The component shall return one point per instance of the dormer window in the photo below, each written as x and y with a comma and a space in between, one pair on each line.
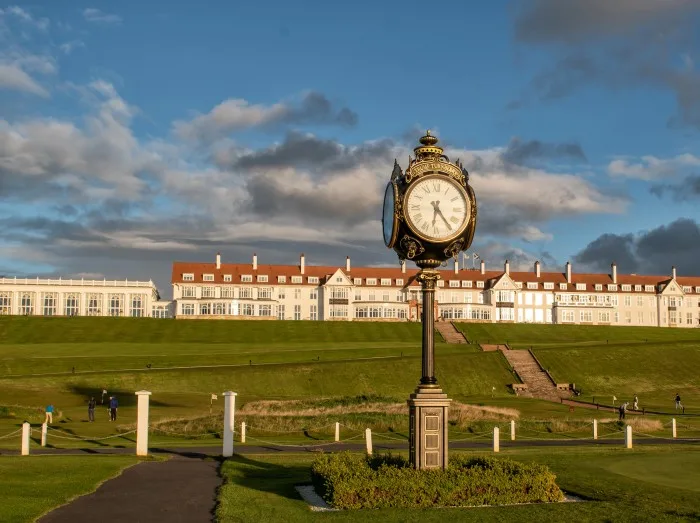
480, 285
314, 279
357, 281
441, 283
262, 278
386, 281
562, 286
454, 283
612, 287
626, 288
227, 277
548, 286
371, 281
599, 286
532, 285
247, 278
466, 284
637, 288
208, 277
296, 279
648, 288
580, 286
281, 279
399, 281
188, 276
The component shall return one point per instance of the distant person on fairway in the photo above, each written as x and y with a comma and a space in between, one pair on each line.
636, 402
623, 408
49, 414
678, 402
91, 409
113, 404
104, 393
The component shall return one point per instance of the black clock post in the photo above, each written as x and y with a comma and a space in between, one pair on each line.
429, 216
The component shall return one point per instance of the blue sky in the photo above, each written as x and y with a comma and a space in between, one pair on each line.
133, 134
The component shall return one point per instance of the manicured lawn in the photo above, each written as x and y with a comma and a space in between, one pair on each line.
261, 488
33, 485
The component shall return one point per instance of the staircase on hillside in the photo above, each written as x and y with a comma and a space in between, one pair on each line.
537, 381
449, 332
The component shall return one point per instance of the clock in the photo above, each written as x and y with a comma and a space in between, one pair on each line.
437, 208
389, 219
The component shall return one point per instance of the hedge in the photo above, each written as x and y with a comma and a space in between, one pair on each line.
351, 481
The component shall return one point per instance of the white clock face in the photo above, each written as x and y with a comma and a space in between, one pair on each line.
437, 208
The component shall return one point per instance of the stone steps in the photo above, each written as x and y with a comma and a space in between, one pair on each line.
449, 332
537, 381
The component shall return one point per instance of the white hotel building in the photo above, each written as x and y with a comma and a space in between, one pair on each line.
73, 297
307, 292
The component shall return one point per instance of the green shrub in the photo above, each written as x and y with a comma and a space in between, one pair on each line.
352, 481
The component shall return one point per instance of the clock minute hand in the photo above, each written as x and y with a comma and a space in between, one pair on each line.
444, 219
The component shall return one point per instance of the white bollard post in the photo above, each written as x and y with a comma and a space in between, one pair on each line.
44, 430
595, 429
26, 431
512, 430
673, 428
496, 442
337, 431
243, 432
628, 437
368, 440
229, 414
142, 422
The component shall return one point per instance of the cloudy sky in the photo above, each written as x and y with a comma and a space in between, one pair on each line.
137, 133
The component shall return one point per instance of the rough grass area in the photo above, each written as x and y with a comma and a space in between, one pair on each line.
33, 485
351, 481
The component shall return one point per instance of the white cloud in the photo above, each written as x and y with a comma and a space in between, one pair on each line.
651, 167
12, 77
92, 14
69, 47
23, 15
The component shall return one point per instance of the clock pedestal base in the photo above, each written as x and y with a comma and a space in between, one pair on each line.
428, 410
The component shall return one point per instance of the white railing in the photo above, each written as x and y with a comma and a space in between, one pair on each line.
81, 282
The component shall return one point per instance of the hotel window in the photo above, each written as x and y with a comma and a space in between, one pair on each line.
297, 312
640, 301
313, 294
220, 309
94, 305
652, 301
208, 277
466, 284
532, 285
468, 297
480, 285
188, 292
689, 318
506, 296
441, 283
314, 279
372, 296
297, 294
358, 295
586, 317
626, 288
687, 290
562, 286
371, 281
580, 286
339, 311
188, 309
640, 317
280, 312
628, 317
598, 287
549, 286
265, 293
648, 288
480, 298
71, 306
399, 282
604, 317
136, 306
339, 293
386, 297
265, 310
281, 279
245, 293
227, 278
653, 317
208, 292
247, 309
697, 290
50, 300
637, 288
454, 283
628, 301
357, 281
612, 287
26, 306
281, 293
441, 297
5, 303
115, 305
399, 296
567, 316
247, 278
188, 277
672, 317
338, 279
454, 298
227, 292
262, 278
205, 309
386, 281
313, 312
296, 279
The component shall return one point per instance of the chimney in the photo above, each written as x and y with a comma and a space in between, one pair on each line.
673, 272
218, 260
347, 263
568, 272
302, 263
456, 266
255, 262
613, 268
537, 268
403, 266
483, 267
506, 267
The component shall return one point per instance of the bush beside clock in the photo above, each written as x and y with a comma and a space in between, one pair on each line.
352, 481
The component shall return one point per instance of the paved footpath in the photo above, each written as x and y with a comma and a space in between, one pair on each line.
181, 489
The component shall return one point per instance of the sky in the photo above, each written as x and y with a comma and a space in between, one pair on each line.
134, 134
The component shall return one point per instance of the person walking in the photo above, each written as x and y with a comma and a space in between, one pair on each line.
104, 393
113, 404
49, 414
91, 409
679, 405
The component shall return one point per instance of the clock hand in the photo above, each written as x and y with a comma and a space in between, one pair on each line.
436, 210
444, 220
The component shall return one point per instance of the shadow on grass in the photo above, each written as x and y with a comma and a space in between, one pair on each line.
273, 478
126, 398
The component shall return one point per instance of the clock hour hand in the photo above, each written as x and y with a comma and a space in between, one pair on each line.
436, 210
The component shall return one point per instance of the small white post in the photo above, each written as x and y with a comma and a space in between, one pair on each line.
142, 422
595, 429
26, 431
673, 428
368, 440
512, 430
496, 442
337, 431
628, 437
243, 432
44, 430
229, 413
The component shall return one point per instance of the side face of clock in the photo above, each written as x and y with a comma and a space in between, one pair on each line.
437, 208
389, 216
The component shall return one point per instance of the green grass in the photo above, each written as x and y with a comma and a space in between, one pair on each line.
33, 485
524, 335
261, 488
